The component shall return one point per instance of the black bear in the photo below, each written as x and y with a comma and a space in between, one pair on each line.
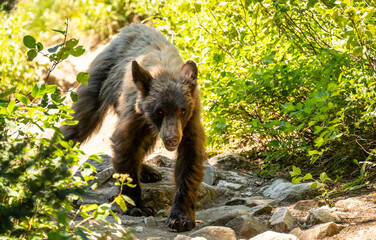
142, 76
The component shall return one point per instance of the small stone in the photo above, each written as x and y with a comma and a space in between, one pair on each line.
282, 220
260, 209
317, 232
138, 229
150, 222
322, 215
182, 237
214, 233
270, 235
228, 161
245, 226
212, 174
161, 213
232, 186
306, 205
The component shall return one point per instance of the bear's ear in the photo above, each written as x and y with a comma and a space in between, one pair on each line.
188, 74
141, 78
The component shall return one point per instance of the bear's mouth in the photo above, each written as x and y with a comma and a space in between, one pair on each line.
171, 148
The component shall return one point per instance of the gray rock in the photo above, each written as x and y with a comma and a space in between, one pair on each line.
306, 205
150, 222
235, 177
104, 175
317, 232
212, 175
232, 186
228, 161
206, 194
215, 233
260, 209
182, 237
160, 161
219, 216
270, 235
138, 229
100, 195
252, 201
245, 226
160, 195
282, 190
322, 215
282, 220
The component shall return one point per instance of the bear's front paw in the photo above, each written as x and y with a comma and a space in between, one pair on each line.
140, 211
180, 223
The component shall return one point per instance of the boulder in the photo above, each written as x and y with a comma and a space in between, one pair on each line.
228, 161
322, 215
282, 220
270, 235
317, 232
283, 190
214, 233
212, 174
245, 226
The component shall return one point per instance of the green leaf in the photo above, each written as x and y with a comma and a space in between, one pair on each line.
71, 43
7, 93
11, 106
34, 91
39, 46
323, 177
96, 158
74, 96
22, 98
78, 51
51, 88
89, 207
121, 202
31, 54
83, 78
29, 41
104, 207
314, 185
59, 31
118, 220
69, 122
128, 199
296, 170
55, 48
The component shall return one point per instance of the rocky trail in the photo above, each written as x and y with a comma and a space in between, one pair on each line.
237, 205
233, 203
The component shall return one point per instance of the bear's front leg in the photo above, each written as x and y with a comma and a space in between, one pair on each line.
131, 140
188, 176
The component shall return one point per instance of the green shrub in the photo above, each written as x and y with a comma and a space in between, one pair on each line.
37, 186
295, 80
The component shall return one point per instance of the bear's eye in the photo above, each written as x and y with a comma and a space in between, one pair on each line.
183, 111
160, 111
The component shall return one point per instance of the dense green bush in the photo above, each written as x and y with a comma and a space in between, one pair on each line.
37, 186
293, 79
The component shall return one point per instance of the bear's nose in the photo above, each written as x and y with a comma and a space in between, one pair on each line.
172, 142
